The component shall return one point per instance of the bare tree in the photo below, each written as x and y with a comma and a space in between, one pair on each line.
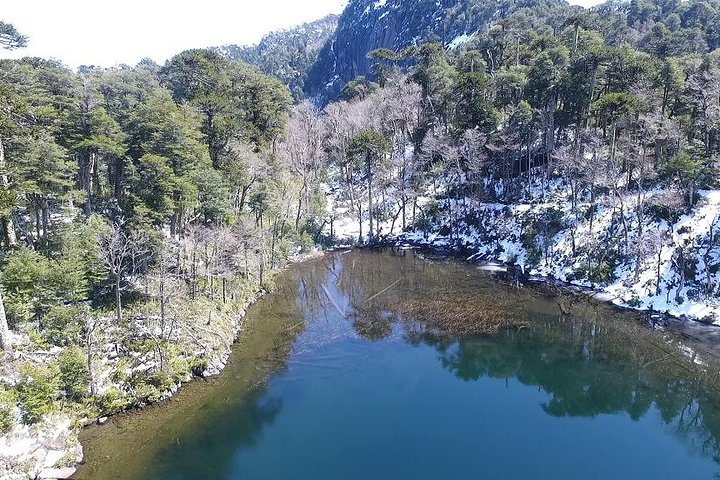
92, 326
303, 152
472, 149
713, 238
124, 255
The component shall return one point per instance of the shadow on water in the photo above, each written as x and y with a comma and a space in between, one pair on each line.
195, 434
588, 361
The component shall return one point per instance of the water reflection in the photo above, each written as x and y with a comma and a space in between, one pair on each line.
601, 365
594, 374
218, 442
335, 357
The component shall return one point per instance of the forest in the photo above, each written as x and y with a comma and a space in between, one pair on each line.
143, 208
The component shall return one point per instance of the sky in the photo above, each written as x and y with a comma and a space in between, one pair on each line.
111, 32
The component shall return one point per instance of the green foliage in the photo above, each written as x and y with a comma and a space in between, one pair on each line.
37, 391
198, 366
368, 146
613, 106
25, 278
148, 388
35, 284
692, 170
74, 376
186, 156
62, 325
358, 89
234, 99
10, 38
113, 401
601, 274
7, 410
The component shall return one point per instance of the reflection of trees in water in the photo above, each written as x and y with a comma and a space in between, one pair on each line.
588, 369
209, 452
311, 297
234, 413
603, 364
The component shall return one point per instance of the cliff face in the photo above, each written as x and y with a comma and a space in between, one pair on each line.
366, 25
287, 54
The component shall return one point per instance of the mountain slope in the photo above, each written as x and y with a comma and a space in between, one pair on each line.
366, 25
287, 54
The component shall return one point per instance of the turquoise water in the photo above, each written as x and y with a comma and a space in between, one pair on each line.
585, 396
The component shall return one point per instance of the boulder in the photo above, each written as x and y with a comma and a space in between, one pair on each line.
56, 473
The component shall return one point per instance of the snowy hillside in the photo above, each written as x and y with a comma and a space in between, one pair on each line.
667, 266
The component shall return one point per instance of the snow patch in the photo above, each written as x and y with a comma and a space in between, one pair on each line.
459, 41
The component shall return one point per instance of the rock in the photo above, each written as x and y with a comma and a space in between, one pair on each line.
56, 473
102, 420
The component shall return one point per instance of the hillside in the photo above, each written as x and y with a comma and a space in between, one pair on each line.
366, 25
287, 54
661, 28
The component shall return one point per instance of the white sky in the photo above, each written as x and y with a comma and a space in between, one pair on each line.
110, 32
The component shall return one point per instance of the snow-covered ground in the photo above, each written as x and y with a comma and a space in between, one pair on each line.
636, 259
645, 277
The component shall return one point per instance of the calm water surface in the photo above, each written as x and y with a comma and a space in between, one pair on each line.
330, 382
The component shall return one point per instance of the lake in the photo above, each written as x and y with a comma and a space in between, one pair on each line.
335, 378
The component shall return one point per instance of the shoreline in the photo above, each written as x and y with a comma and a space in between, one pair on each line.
39, 448
560, 290
215, 368
706, 334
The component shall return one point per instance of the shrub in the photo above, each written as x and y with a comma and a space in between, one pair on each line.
7, 410
111, 402
37, 391
24, 277
529, 242
74, 376
305, 242
179, 369
198, 366
602, 273
61, 326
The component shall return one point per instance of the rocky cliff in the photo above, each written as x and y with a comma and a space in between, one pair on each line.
366, 25
287, 54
